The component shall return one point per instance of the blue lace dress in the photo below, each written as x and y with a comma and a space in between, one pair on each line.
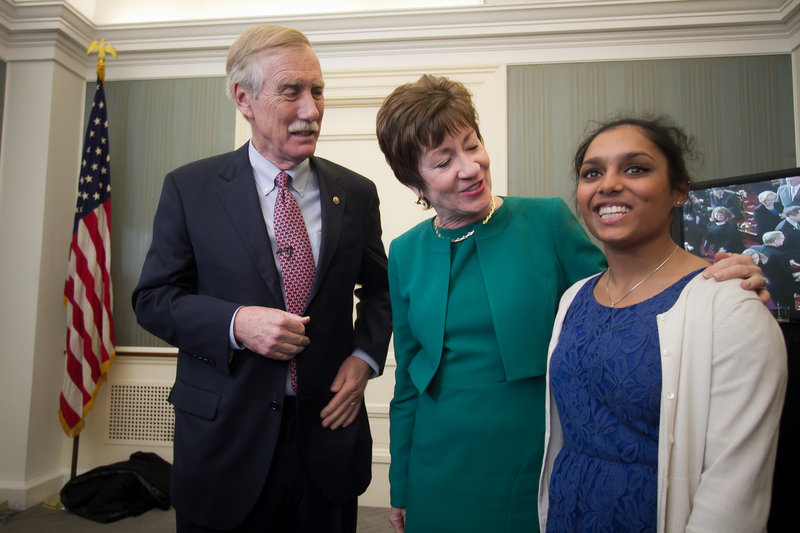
605, 374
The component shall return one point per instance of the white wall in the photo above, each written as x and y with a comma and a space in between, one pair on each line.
40, 151
796, 83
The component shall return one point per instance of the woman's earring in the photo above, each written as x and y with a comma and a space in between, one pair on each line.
419, 201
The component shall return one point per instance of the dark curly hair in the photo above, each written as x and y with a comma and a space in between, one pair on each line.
672, 141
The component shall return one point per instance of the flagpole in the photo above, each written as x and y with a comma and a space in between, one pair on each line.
75, 445
101, 48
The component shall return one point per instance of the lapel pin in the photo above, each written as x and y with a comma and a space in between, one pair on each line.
336, 200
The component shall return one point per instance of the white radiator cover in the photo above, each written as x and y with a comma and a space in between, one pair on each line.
138, 413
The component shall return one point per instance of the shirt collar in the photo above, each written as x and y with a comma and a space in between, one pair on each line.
264, 172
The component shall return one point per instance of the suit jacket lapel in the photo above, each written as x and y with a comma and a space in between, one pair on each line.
240, 199
431, 255
332, 199
439, 259
505, 280
503, 284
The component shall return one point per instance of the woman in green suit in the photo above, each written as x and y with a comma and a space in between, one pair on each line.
474, 295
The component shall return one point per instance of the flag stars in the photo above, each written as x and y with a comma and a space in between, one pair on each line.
95, 172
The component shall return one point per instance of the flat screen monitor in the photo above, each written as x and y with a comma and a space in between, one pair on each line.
755, 214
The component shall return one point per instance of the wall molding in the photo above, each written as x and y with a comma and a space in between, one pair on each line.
517, 32
33, 491
45, 31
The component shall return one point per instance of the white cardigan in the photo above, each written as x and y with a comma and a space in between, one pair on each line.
723, 361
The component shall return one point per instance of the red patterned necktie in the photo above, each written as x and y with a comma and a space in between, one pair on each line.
294, 250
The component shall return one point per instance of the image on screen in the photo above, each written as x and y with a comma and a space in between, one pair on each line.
755, 214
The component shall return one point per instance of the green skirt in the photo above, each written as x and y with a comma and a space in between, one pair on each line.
476, 458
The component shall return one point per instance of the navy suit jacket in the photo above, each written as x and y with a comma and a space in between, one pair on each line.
785, 196
766, 220
211, 254
791, 246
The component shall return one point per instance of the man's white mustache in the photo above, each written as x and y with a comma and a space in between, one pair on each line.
304, 126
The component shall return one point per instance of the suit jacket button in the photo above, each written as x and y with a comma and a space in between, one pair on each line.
275, 406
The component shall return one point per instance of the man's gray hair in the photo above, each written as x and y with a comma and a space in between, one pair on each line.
771, 237
243, 68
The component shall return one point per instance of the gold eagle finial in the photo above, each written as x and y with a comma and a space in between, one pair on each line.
102, 48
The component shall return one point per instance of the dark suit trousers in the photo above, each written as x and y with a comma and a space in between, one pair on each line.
289, 501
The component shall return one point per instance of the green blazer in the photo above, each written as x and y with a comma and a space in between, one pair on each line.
530, 253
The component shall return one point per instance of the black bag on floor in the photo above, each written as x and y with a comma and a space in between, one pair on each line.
128, 488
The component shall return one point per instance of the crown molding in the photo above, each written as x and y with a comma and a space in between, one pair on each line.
793, 25
41, 31
507, 32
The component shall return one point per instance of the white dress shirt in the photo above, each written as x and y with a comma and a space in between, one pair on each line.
304, 186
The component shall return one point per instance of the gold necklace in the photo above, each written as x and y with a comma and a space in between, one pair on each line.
608, 277
470, 232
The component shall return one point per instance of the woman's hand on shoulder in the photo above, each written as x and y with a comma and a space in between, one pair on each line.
397, 517
732, 266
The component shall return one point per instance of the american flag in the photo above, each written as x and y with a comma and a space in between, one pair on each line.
87, 292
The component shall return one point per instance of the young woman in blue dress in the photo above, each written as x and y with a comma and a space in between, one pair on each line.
664, 388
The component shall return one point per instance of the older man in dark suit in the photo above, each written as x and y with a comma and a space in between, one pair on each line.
720, 197
255, 260
789, 192
790, 227
779, 269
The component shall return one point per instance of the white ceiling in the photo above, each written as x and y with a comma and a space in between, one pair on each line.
122, 12
111, 12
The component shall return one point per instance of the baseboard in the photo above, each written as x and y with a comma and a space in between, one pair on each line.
21, 496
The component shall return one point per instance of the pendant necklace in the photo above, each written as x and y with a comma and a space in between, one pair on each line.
608, 278
470, 232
